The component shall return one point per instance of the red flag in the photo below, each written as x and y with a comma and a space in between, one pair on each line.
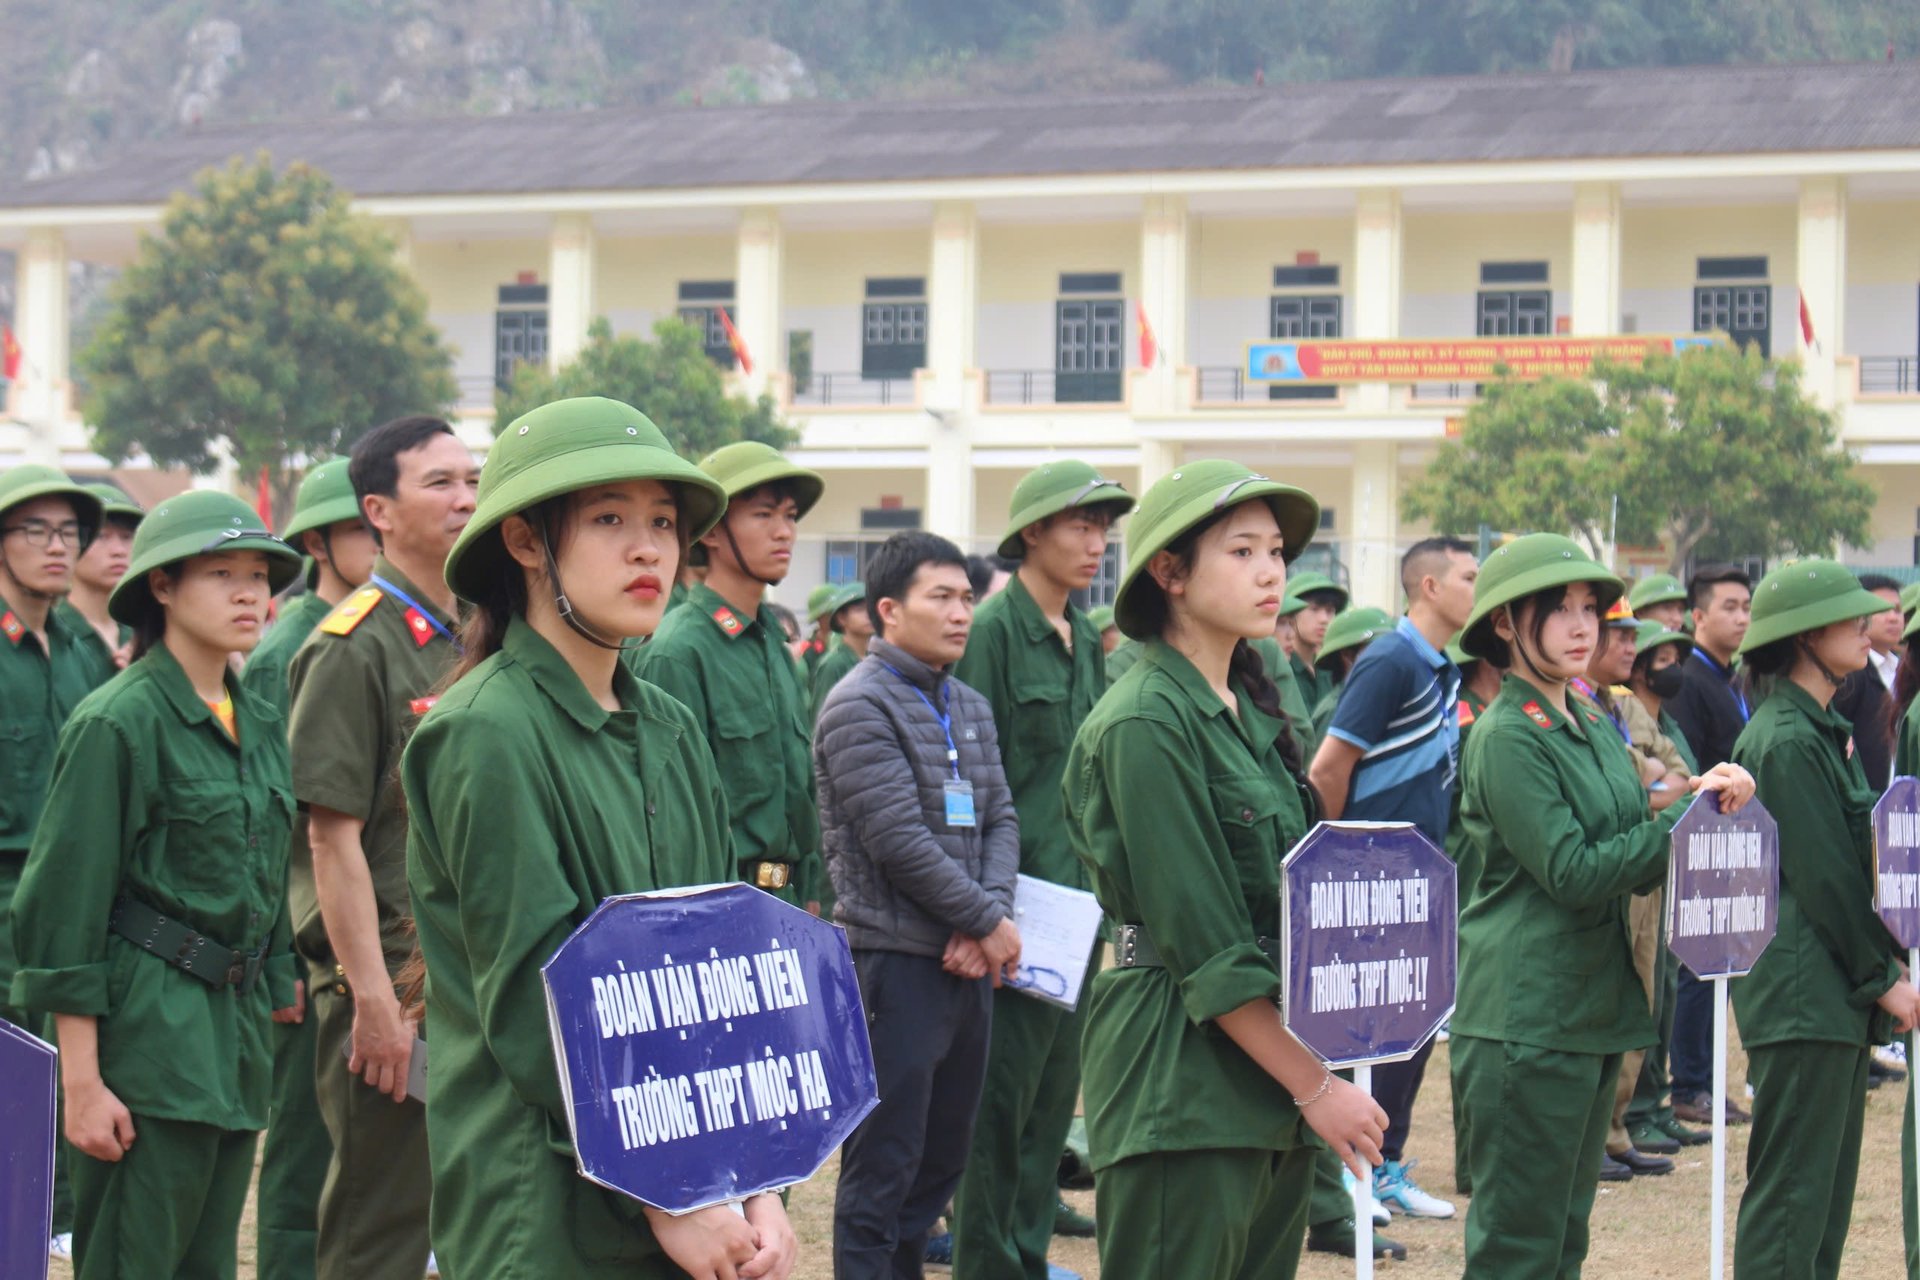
1806, 324
263, 500
735, 341
9, 354
1149, 349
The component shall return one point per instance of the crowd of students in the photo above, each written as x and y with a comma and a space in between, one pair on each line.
252, 865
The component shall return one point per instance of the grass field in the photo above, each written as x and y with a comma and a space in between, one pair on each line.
1649, 1229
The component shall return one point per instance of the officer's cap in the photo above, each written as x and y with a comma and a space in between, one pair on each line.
561, 447
198, 522
1353, 628
33, 480
1530, 564
1191, 496
1657, 589
1056, 487
1804, 596
745, 465
1620, 615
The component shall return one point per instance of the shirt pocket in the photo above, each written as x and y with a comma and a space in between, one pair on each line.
1247, 809
19, 746
1043, 712
747, 747
205, 842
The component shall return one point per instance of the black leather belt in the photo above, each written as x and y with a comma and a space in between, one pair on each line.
1134, 949
179, 945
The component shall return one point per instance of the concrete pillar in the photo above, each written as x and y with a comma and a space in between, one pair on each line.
1822, 264
570, 305
1376, 281
1158, 459
1374, 518
756, 292
950, 487
1163, 297
1596, 259
43, 395
953, 303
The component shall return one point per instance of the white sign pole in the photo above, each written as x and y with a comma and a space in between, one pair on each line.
1363, 1199
1913, 970
1719, 1260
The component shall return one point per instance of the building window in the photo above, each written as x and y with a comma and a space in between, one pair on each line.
1744, 312
519, 330
893, 327
1514, 313
1304, 315
701, 302
1106, 580
1089, 334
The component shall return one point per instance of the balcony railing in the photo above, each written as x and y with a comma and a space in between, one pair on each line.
1229, 384
1048, 386
1446, 391
828, 389
1889, 375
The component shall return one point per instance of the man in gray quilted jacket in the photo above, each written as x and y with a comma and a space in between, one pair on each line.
920, 837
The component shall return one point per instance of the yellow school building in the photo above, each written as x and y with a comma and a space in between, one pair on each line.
942, 295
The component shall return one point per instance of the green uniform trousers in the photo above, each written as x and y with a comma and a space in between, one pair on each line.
1331, 1201
1232, 1214
1653, 1094
1803, 1157
379, 1189
1539, 1122
1462, 1178
293, 1162
170, 1207
1003, 1210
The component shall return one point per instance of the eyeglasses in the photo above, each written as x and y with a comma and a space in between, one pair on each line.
41, 533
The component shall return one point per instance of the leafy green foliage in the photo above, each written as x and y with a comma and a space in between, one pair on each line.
1714, 453
266, 319
670, 379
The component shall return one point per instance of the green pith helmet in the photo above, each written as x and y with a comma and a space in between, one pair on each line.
851, 593
1101, 618
198, 522
1455, 654
1653, 635
115, 505
1056, 487
1803, 596
325, 497
1524, 566
1352, 628
1910, 598
1658, 589
1191, 496
561, 447
745, 465
1300, 584
25, 483
817, 601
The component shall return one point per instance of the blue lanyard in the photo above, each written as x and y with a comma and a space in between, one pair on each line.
941, 713
1726, 673
416, 606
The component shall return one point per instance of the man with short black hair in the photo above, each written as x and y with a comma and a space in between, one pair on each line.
1711, 710
924, 849
1865, 695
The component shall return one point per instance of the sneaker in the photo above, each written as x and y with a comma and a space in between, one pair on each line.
1653, 1140
1886, 1065
939, 1253
1337, 1237
1382, 1216
1896, 1052
1068, 1221
1057, 1272
61, 1247
1393, 1186
433, 1266
1686, 1137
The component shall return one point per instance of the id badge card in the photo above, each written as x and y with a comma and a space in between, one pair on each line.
959, 803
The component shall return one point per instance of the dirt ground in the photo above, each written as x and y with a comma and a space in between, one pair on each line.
1650, 1229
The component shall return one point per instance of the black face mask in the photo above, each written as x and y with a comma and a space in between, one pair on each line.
1667, 681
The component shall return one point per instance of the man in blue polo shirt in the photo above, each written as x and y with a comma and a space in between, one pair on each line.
1391, 755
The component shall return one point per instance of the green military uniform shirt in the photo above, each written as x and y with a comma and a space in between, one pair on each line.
1182, 811
840, 660
153, 801
39, 688
357, 696
743, 687
1315, 684
1040, 694
101, 666
265, 675
530, 804
1468, 711
1831, 958
1678, 737
1323, 714
1560, 838
1280, 671
1121, 660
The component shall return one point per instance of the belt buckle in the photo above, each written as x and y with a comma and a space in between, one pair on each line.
245, 972
771, 875
1128, 938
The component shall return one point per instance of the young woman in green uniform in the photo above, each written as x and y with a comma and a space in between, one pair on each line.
545, 779
1559, 837
151, 918
1831, 984
1184, 789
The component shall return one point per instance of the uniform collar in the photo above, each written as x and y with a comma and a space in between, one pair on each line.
1829, 721
916, 672
710, 604
1540, 711
1258, 728
384, 568
171, 679
558, 680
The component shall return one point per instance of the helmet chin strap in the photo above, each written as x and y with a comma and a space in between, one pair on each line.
1806, 651
49, 598
1525, 657
740, 561
565, 607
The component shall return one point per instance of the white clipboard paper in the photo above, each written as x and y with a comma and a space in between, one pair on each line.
1058, 927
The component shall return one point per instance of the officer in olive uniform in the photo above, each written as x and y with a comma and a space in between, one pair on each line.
1309, 597
152, 921
1660, 598
727, 660
1182, 808
1821, 994
1041, 667
359, 686
294, 1159
120, 516
1560, 839
845, 613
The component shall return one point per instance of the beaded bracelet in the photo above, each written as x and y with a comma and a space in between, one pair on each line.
1326, 1083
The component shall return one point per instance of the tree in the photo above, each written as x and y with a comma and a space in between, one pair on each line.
266, 320
1715, 452
670, 379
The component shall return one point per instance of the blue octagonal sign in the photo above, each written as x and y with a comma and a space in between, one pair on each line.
1896, 856
1370, 916
1723, 887
711, 1044
28, 1065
